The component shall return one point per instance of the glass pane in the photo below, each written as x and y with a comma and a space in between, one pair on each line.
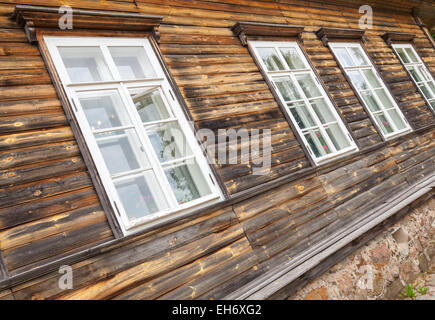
344, 57
317, 143
287, 88
149, 104
402, 55
323, 111
358, 80
358, 56
104, 109
132, 63
168, 141
415, 74
385, 98
372, 78
432, 87
187, 182
433, 104
141, 195
85, 64
424, 73
411, 54
121, 151
383, 123
271, 59
397, 119
308, 85
301, 115
337, 136
425, 91
292, 58
371, 101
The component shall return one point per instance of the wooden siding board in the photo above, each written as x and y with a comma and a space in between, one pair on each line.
223, 88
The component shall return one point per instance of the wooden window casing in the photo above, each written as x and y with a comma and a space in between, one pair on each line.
142, 136
388, 118
418, 71
314, 122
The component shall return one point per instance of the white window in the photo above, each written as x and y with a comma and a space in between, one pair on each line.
305, 100
418, 71
140, 140
370, 87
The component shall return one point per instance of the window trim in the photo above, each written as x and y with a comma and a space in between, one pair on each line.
372, 66
253, 45
120, 85
396, 46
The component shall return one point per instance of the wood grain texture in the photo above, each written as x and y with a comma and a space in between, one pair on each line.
49, 209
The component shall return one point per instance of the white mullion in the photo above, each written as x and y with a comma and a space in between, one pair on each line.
149, 150
173, 163
128, 174
110, 129
110, 63
282, 57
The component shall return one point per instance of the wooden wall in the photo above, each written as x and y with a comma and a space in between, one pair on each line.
49, 208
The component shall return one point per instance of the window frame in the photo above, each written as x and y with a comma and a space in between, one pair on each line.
253, 45
117, 84
332, 45
421, 63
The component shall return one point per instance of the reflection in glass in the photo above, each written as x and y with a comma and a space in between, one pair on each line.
358, 56
132, 63
120, 151
383, 123
168, 141
140, 195
301, 115
187, 182
292, 58
317, 143
104, 109
402, 55
322, 111
357, 80
371, 101
85, 64
337, 136
287, 89
397, 119
308, 85
344, 57
149, 104
271, 59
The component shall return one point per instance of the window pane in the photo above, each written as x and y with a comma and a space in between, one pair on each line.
402, 55
308, 85
287, 89
425, 91
85, 64
121, 151
371, 101
358, 80
372, 78
385, 99
337, 136
415, 74
411, 55
433, 104
344, 57
432, 87
292, 58
271, 59
104, 109
358, 56
301, 115
322, 111
168, 141
317, 143
132, 63
397, 119
141, 195
187, 182
424, 73
383, 123
149, 104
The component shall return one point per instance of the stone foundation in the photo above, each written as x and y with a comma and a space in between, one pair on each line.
384, 266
